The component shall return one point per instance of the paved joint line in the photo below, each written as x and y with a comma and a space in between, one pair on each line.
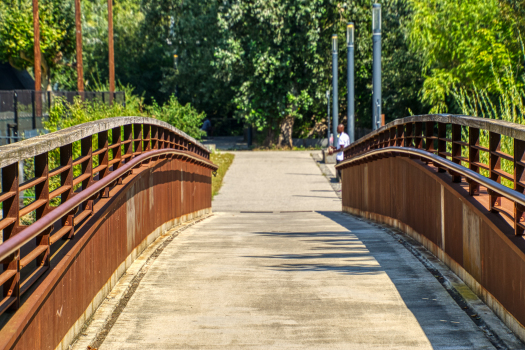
423, 255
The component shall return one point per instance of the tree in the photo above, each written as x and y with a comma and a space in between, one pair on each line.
464, 43
57, 35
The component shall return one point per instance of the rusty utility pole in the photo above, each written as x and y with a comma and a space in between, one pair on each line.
36, 38
111, 54
80, 65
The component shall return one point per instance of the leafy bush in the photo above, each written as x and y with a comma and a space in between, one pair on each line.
185, 118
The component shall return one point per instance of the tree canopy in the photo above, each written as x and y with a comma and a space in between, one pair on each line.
268, 63
57, 34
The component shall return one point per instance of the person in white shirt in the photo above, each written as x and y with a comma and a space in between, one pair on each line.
344, 141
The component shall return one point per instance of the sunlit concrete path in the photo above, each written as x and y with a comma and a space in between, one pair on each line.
280, 267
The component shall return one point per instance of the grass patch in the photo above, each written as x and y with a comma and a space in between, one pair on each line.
223, 160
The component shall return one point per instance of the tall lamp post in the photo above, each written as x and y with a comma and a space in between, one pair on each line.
335, 109
111, 52
78, 29
350, 80
36, 47
376, 73
328, 116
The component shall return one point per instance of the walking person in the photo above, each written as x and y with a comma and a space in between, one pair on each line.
344, 141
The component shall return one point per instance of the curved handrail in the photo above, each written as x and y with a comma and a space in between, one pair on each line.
34, 146
16, 242
75, 183
445, 163
501, 127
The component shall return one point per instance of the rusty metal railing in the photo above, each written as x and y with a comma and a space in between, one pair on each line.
468, 148
65, 195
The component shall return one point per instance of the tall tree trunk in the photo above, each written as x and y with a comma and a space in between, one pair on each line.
285, 132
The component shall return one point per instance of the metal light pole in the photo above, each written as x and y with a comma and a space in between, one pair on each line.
328, 116
80, 66
376, 74
350, 80
111, 52
335, 99
36, 47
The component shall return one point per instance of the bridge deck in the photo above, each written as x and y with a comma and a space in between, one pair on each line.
288, 280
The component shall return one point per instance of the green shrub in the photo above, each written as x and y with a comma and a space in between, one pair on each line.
184, 118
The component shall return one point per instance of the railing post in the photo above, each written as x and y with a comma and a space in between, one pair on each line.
429, 137
10, 210
103, 159
456, 149
146, 136
400, 138
418, 135
494, 164
42, 193
409, 135
442, 143
128, 138
473, 157
116, 152
137, 138
66, 179
86, 146
161, 138
519, 185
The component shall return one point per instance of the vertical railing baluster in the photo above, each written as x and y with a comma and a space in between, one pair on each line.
429, 137
473, 157
442, 143
42, 193
409, 135
66, 179
103, 159
494, 164
161, 135
418, 135
519, 185
116, 151
10, 210
456, 149
128, 137
400, 138
146, 137
86, 147
137, 138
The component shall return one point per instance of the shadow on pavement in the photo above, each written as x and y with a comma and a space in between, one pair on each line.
363, 249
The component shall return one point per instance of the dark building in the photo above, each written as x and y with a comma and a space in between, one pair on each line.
14, 79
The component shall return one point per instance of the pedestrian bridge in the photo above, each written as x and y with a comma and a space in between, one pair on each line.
109, 241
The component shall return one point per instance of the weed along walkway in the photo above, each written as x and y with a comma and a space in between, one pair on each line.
278, 266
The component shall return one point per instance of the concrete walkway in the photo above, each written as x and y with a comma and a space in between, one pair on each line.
280, 267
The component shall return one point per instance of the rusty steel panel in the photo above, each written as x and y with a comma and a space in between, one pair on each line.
104, 243
410, 192
502, 270
453, 210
